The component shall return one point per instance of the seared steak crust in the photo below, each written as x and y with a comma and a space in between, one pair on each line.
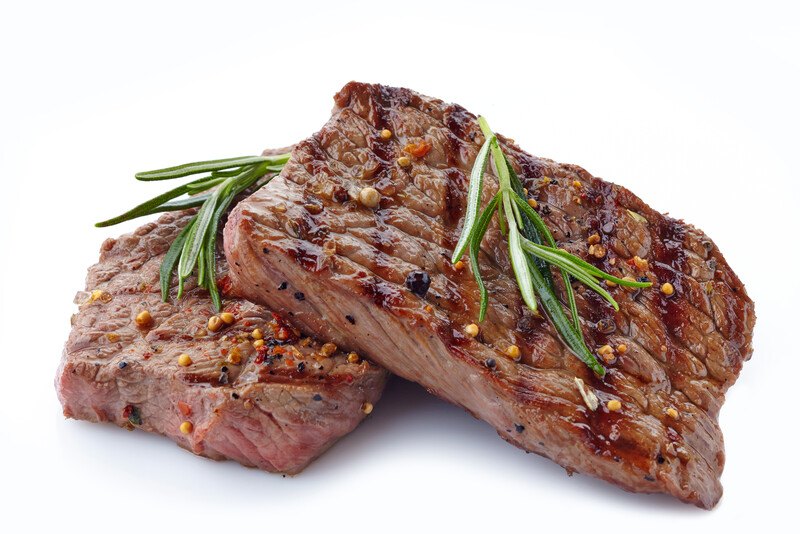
351, 262
277, 407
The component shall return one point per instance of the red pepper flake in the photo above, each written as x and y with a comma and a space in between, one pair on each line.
147, 355
248, 323
418, 150
185, 409
224, 352
224, 284
289, 361
261, 354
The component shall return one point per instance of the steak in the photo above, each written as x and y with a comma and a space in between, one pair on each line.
276, 407
379, 280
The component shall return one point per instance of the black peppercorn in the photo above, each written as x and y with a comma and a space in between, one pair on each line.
418, 282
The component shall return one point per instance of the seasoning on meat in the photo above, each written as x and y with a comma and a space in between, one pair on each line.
418, 282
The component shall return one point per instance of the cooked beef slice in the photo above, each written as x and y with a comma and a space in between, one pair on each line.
276, 407
358, 270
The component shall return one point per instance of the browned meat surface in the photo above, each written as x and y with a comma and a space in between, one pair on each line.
350, 264
276, 407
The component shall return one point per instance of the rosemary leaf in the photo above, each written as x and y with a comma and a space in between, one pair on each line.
171, 260
600, 273
149, 207
193, 246
481, 226
473, 198
188, 169
183, 204
521, 268
548, 255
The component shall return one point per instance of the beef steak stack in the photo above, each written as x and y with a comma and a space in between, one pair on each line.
363, 270
276, 407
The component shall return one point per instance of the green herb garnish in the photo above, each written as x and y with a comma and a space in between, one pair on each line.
195, 247
531, 249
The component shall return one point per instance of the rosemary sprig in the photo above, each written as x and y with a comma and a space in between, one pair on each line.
195, 247
532, 250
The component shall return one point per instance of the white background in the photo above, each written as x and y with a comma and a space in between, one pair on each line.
693, 106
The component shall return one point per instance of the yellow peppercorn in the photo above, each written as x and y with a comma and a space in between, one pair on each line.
672, 412
598, 251
614, 405
366, 408
609, 283
513, 352
428, 308
144, 319
100, 295
403, 161
227, 318
258, 343
622, 348
577, 184
369, 197
235, 356
184, 360
186, 427
594, 239
532, 203
459, 265
353, 358
257, 334
607, 353
640, 263
386, 134
472, 330
214, 323
546, 180
667, 289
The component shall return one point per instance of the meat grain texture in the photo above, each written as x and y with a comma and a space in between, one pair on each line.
276, 407
681, 352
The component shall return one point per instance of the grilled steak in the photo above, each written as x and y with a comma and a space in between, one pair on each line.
378, 280
276, 407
